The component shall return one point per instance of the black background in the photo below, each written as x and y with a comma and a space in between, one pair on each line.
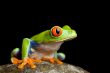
79, 52
20, 20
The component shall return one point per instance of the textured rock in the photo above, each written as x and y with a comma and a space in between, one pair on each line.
44, 67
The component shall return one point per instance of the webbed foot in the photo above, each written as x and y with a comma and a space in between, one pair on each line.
52, 60
48, 59
22, 63
58, 61
15, 60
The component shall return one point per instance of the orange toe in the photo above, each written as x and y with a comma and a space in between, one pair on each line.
59, 62
21, 66
15, 60
24, 62
51, 60
31, 62
48, 59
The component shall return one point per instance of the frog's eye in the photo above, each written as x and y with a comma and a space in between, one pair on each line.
56, 31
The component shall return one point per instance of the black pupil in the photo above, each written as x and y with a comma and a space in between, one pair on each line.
57, 30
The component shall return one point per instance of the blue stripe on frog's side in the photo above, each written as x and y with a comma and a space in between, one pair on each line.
32, 45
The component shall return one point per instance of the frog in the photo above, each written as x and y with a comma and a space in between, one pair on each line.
43, 47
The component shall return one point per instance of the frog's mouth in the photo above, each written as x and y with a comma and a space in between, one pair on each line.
66, 39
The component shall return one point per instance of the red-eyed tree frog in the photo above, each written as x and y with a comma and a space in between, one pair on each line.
43, 47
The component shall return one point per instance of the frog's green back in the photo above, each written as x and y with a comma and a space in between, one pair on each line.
41, 36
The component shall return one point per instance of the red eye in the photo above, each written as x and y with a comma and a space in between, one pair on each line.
56, 31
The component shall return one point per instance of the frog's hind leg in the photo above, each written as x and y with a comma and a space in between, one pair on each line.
59, 57
13, 54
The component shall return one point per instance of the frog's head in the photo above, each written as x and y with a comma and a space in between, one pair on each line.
58, 34
55, 34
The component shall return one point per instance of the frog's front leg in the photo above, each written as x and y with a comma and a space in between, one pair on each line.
26, 47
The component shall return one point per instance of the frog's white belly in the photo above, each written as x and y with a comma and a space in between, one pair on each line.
47, 50
38, 55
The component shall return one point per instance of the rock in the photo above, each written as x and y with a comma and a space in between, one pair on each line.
44, 67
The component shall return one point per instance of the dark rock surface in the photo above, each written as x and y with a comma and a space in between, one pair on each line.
44, 67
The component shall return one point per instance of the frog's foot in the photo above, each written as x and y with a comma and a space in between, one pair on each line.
28, 61
15, 60
22, 63
58, 61
52, 60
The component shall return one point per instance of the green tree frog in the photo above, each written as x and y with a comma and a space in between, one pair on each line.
43, 47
